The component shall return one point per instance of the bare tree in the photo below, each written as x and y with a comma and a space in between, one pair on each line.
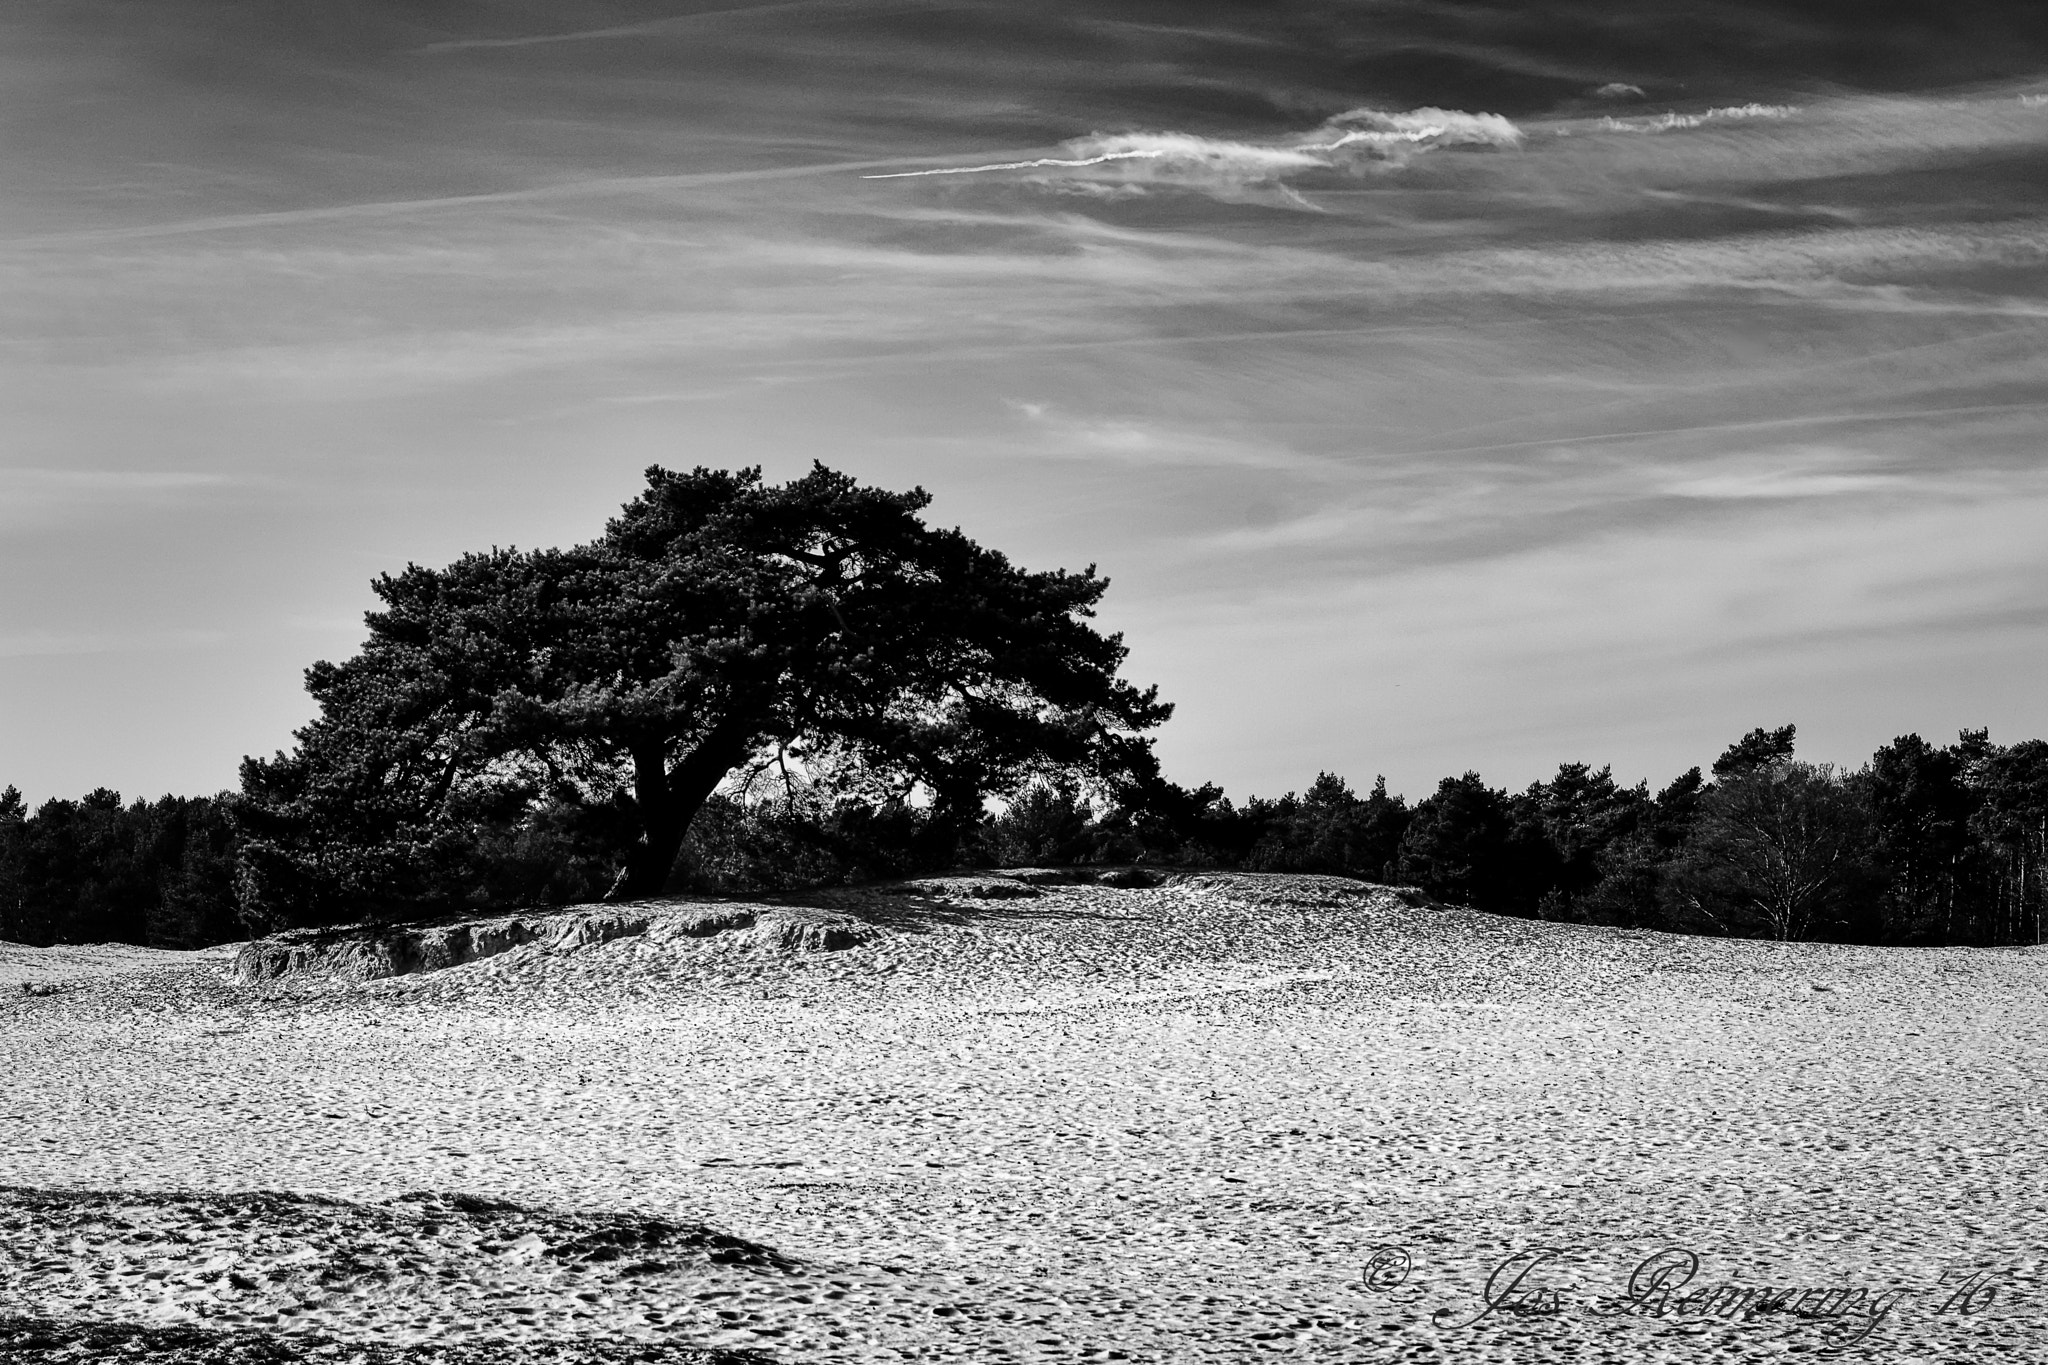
1781, 850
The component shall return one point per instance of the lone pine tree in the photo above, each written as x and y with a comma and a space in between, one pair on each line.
719, 622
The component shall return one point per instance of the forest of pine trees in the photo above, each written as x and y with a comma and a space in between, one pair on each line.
97, 871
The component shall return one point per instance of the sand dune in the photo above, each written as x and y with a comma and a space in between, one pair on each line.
1076, 1122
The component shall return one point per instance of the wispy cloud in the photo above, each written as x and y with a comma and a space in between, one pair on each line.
1352, 143
1668, 122
1744, 426
1800, 473
1063, 435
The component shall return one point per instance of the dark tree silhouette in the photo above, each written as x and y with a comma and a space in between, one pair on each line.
1921, 807
720, 622
1329, 828
94, 870
1562, 828
1456, 846
1632, 867
1047, 822
1758, 749
1783, 849
2010, 829
16, 920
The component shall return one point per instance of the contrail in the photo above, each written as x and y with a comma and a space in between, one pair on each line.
398, 208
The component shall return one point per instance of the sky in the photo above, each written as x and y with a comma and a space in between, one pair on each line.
1441, 386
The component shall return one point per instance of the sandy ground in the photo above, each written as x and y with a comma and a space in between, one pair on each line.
1167, 1124
21, 965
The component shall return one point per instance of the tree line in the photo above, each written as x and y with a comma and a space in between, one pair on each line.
741, 686
94, 870
1921, 845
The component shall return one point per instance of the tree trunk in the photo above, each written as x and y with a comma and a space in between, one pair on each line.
669, 799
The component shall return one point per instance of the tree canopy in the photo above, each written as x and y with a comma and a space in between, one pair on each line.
720, 625
1783, 848
1760, 748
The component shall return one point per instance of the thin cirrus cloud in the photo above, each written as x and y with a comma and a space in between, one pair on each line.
1059, 436
888, 305
1496, 511
1795, 475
